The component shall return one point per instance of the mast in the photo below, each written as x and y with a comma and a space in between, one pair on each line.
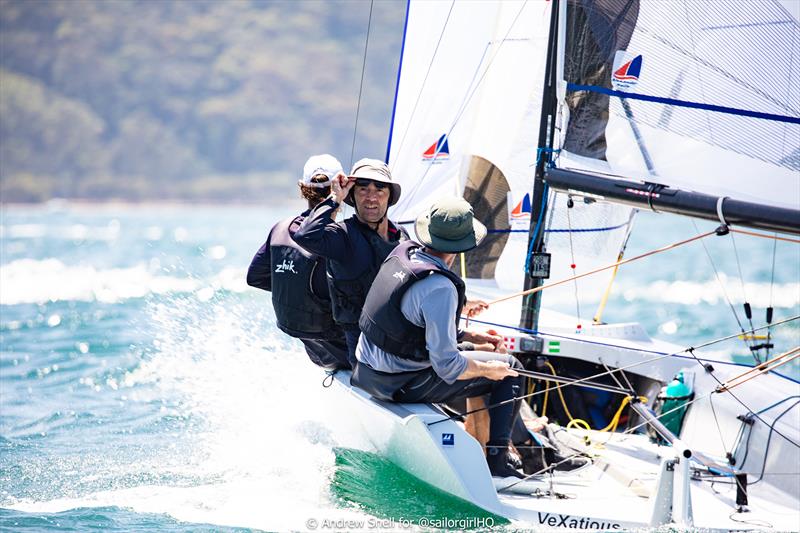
531, 303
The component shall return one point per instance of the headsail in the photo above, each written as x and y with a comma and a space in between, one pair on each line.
693, 96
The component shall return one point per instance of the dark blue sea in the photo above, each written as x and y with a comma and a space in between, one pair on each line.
144, 386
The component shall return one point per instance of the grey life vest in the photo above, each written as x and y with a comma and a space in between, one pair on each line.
300, 313
382, 320
349, 289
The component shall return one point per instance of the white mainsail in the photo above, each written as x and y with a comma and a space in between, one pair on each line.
469, 94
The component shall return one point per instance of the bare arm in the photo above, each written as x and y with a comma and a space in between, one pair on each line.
494, 370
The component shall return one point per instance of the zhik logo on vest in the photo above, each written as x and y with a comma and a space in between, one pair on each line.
286, 266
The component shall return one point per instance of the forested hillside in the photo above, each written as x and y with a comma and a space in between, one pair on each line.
187, 100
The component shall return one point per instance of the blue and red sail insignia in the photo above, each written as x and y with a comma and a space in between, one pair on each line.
438, 150
630, 70
523, 209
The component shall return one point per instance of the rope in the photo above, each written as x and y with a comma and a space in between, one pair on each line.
361, 85
598, 316
691, 352
618, 263
620, 369
764, 236
762, 368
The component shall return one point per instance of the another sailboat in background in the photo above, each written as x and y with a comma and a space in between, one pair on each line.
557, 120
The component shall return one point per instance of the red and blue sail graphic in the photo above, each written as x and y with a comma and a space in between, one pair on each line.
438, 150
523, 209
630, 70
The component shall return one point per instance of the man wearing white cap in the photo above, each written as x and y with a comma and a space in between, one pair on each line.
408, 349
296, 277
355, 247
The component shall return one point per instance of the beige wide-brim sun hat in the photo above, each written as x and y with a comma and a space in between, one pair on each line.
376, 170
449, 226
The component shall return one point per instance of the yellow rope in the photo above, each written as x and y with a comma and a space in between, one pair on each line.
612, 426
560, 394
579, 422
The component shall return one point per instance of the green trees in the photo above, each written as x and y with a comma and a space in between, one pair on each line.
186, 100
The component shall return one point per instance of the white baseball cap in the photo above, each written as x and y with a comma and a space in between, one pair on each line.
324, 164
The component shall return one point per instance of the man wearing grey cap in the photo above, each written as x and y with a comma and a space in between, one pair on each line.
296, 277
355, 247
408, 349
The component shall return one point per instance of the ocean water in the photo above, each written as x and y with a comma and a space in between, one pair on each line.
144, 386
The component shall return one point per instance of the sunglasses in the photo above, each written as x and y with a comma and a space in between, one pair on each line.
364, 182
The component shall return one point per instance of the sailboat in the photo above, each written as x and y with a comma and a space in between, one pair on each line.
558, 120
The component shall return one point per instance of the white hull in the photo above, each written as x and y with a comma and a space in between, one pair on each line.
620, 490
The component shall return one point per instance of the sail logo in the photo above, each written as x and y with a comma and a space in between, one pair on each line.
448, 439
519, 216
438, 151
522, 211
626, 70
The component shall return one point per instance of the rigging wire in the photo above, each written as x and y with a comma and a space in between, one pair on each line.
747, 311
771, 287
613, 265
425, 80
724, 292
573, 266
361, 85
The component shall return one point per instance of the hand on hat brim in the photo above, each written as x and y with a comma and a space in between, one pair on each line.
341, 186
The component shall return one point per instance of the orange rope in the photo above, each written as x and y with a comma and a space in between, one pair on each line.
766, 366
765, 236
613, 265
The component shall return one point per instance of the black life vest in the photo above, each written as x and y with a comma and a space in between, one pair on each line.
349, 289
300, 313
382, 320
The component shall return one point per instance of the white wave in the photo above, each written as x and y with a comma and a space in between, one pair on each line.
263, 453
759, 294
50, 280
37, 281
72, 232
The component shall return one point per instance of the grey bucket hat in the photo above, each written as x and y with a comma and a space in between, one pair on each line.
449, 226
376, 170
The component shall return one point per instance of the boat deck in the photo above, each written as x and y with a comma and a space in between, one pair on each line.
620, 483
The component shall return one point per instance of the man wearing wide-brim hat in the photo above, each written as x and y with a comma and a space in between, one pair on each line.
355, 247
408, 348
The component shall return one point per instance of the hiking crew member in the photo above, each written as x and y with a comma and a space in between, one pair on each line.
408, 350
356, 247
297, 277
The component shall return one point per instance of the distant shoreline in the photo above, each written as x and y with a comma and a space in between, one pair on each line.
62, 203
